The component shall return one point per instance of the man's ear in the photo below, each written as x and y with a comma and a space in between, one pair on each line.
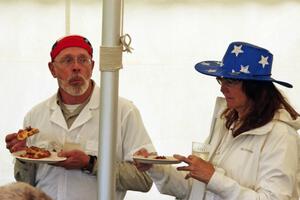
52, 69
93, 63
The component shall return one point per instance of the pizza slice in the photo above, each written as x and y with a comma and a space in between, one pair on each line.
36, 153
27, 132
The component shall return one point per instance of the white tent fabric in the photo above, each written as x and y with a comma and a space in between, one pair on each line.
169, 38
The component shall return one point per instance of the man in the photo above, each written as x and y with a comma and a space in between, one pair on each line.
69, 120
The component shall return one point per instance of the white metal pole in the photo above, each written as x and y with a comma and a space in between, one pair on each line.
108, 104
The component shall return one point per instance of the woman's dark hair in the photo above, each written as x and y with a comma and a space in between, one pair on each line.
265, 100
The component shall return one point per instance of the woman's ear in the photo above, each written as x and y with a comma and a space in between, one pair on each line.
52, 69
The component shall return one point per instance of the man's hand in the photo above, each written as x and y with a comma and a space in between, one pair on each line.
198, 168
142, 166
76, 159
13, 144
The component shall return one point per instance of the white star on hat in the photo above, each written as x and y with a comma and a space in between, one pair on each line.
237, 49
211, 70
220, 63
244, 69
205, 63
263, 61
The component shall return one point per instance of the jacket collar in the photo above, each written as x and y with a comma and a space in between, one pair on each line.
280, 116
261, 130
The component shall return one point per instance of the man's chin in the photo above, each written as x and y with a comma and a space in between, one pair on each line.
75, 87
74, 90
77, 91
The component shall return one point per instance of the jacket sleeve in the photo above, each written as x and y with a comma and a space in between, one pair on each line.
133, 132
25, 172
170, 181
128, 177
277, 171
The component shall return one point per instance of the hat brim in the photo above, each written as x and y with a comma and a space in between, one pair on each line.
214, 68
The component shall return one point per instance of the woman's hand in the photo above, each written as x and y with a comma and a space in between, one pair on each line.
198, 168
13, 144
142, 166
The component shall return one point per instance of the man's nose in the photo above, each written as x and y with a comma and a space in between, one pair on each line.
76, 66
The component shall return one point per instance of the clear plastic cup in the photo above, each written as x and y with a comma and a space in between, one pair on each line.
68, 146
200, 149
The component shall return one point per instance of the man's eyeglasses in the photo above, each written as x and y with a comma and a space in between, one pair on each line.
227, 81
69, 61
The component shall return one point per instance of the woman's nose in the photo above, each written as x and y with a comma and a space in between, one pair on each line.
223, 88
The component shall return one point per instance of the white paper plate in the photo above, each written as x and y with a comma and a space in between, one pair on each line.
153, 160
53, 158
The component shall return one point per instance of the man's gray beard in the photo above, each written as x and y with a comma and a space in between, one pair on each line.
74, 90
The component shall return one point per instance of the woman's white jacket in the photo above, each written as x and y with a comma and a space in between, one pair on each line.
261, 164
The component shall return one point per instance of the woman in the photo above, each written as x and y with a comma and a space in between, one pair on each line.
254, 148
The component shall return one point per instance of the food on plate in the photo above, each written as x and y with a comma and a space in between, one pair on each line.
160, 157
155, 159
36, 153
27, 132
32, 152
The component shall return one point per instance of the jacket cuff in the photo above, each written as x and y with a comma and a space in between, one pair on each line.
216, 182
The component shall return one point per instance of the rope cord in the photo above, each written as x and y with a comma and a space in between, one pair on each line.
111, 57
126, 43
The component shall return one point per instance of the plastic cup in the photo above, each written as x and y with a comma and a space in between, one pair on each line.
200, 149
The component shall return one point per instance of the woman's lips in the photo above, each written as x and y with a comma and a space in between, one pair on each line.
229, 99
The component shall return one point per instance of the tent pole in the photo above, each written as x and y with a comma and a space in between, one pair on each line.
111, 10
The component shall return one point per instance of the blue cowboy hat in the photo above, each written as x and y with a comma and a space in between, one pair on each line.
242, 61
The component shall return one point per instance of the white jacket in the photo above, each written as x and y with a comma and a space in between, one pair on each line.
62, 184
261, 164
